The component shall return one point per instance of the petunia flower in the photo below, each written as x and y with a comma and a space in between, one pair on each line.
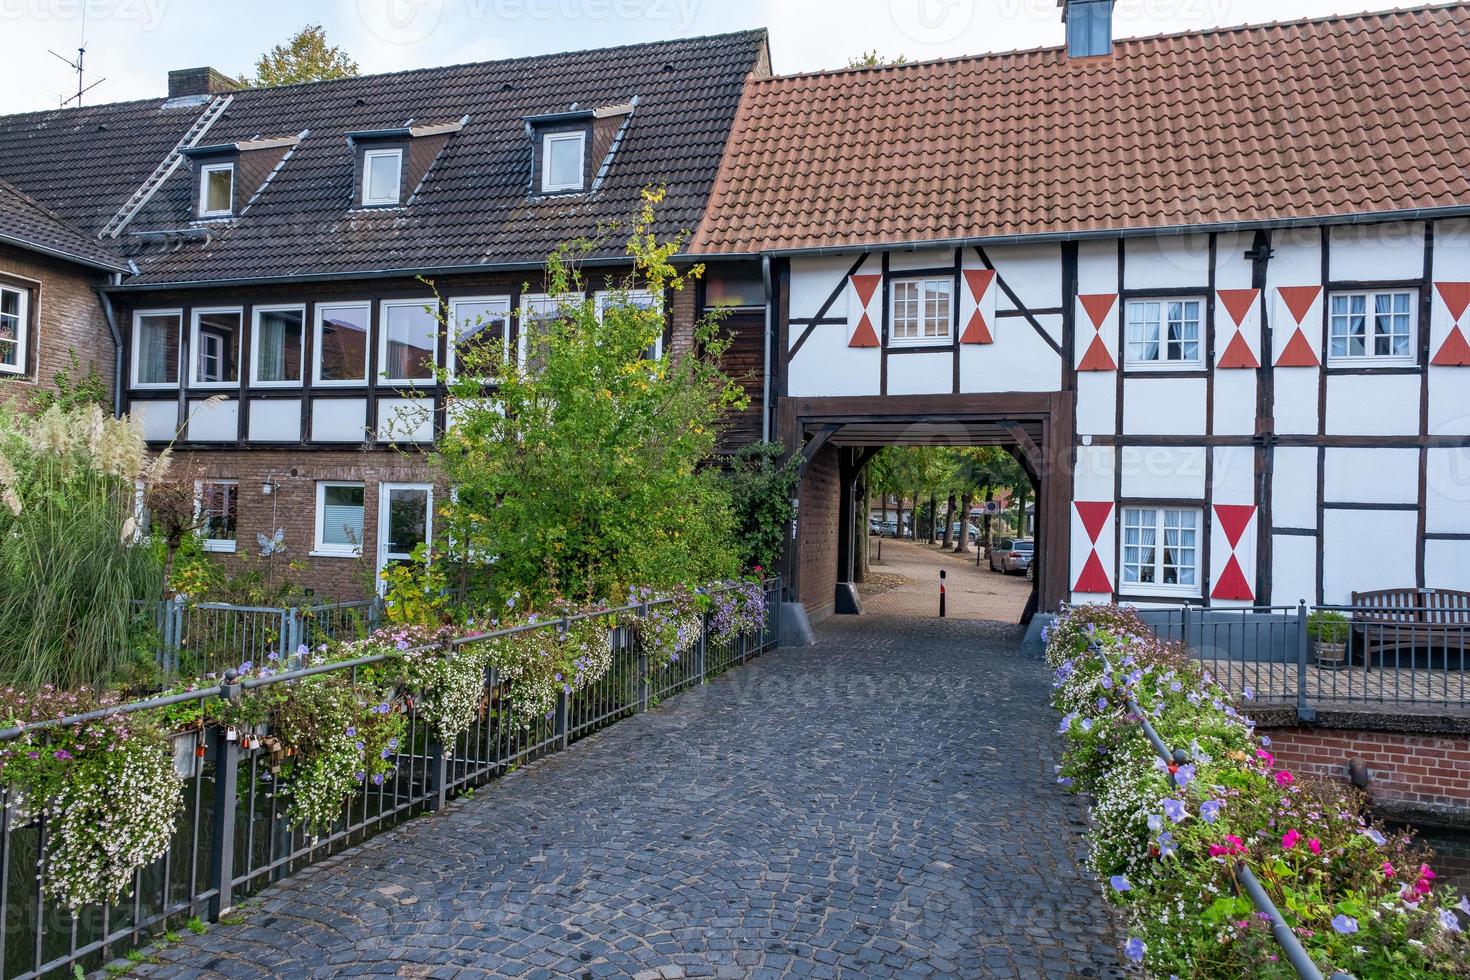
1174, 809
1184, 775
1290, 838
1374, 836
1120, 883
1284, 778
1134, 949
1250, 693
1315, 846
1209, 810
1345, 925
1449, 920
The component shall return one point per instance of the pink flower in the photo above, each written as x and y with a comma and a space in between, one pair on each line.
1315, 845
1284, 778
1290, 838
1388, 871
1265, 756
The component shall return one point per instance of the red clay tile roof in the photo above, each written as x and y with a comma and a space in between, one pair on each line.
1327, 117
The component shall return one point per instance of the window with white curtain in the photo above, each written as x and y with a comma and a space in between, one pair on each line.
339, 519
277, 346
1161, 549
156, 348
409, 341
1164, 332
1372, 327
14, 322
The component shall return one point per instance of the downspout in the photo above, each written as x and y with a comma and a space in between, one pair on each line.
110, 316
766, 368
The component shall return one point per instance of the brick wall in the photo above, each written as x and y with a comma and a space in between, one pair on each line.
66, 316
292, 508
817, 530
1416, 770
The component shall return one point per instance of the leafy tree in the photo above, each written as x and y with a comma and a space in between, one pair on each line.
583, 473
760, 486
872, 59
305, 57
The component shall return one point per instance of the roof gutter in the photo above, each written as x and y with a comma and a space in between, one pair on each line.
57, 253
1358, 218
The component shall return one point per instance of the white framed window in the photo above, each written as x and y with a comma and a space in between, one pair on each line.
1371, 327
341, 344
921, 311
277, 346
382, 177
640, 298
408, 341
1161, 550
215, 339
339, 519
536, 310
405, 521
155, 354
1165, 333
217, 507
216, 190
479, 323
563, 161
15, 314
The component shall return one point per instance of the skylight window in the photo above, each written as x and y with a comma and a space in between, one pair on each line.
217, 190
382, 177
562, 162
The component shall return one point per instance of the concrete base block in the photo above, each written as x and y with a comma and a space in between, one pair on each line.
796, 629
847, 602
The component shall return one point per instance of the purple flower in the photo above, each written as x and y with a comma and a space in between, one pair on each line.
351, 732
1155, 822
1066, 723
1374, 836
1119, 883
385, 753
1174, 809
1449, 920
361, 746
1087, 724
1134, 949
362, 777
393, 743
303, 650
1209, 810
1266, 741
378, 779
62, 755
1176, 687
273, 657
1183, 776
1102, 704
1464, 905
402, 644
1064, 781
1345, 924
1167, 847
1250, 693
1107, 681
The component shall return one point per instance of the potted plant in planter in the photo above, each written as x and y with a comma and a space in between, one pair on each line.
1329, 633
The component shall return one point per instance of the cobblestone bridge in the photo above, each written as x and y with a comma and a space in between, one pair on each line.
882, 805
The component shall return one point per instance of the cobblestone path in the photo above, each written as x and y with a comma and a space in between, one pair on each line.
882, 805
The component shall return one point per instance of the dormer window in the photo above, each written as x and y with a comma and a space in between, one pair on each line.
1089, 27
382, 178
563, 162
217, 190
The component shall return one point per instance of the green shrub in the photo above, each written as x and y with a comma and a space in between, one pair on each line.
1326, 626
761, 483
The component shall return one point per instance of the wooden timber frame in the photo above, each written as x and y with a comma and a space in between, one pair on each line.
1037, 428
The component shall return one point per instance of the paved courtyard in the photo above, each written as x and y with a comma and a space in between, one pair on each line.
972, 592
882, 805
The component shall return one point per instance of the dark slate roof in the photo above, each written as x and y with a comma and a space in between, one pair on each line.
28, 224
472, 210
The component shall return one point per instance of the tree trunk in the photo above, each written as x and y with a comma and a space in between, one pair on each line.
962, 540
949, 522
933, 514
989, 530
864, 538
1021, 511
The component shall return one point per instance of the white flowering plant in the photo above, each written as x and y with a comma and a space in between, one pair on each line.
537, 665
1169, 837
671, 626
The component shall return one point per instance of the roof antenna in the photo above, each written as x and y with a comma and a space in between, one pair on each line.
76, 66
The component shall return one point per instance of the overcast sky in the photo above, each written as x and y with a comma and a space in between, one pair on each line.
133, 43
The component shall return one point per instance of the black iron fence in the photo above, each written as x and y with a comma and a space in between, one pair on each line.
1410, 657
235, 836
196, 638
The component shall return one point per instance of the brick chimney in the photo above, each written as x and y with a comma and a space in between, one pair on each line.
199, 81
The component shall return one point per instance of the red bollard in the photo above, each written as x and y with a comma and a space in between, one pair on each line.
941, 593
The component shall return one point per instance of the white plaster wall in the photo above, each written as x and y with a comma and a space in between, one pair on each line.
1232, 268
1164, 406
1293, 569
1097, 400
1373, 404
338, 420
1371, 476
1034, 273
1092, 475
1167, 262
214, 423
1447, 565
405, 419
1235, 403
1449, 398
1295, 410
1365, 550
1163, 472
825, 365
1294, 487
1296, 258
158, 420
921, 374
275, 420
1359, 253
1447, 492
921, 258
1097, 267
1019, 360
813, 279
1233, 476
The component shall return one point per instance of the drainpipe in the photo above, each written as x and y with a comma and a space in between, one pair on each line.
766, 369
117, 347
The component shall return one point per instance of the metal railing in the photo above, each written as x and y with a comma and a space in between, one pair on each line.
234, 835
198, 638
1389, 656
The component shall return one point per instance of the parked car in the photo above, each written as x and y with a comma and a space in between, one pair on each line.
875, 526
1012, 555
954, 531
889, 529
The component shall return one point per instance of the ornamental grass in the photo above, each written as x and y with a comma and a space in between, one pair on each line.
1361, 899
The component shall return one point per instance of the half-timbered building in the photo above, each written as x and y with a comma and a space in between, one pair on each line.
1213, 288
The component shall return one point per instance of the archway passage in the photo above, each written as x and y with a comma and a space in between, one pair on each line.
839, 436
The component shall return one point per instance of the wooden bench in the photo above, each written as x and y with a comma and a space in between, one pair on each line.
1400, 619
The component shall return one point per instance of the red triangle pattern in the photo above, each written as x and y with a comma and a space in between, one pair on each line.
976, 331
1454, 352
1238, 354
1093, 579
1297, 352
1299, 300
1456, 296
1097, 357
1098, 305
1238, 303
864, 335
866, 286
1233, 519
1232, 583
1094, 514
979, 281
